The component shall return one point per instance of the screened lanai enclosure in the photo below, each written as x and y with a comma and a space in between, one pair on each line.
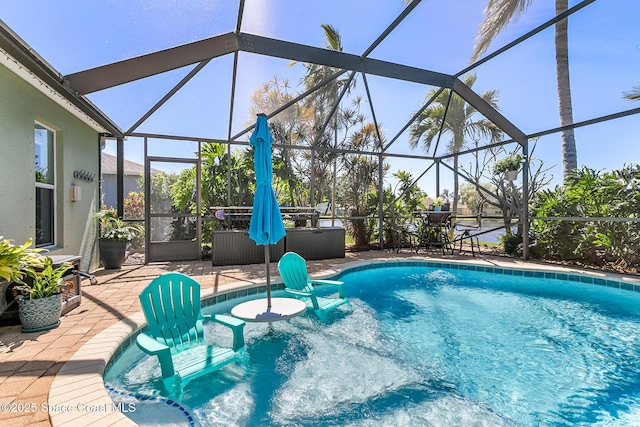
379, 111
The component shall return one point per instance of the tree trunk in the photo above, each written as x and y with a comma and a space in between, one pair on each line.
360, 233
569, 154
454, 205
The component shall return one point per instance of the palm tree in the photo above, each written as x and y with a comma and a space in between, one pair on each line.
361, 180
460, 123
319, 104
287, 127
633, 94
498, 14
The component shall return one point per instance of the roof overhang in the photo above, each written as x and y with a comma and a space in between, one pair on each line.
21, 59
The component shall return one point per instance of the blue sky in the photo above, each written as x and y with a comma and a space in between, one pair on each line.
73, 35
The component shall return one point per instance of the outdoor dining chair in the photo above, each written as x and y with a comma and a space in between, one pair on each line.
433, 231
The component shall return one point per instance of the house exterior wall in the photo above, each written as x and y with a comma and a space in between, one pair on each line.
110, 192
77, 148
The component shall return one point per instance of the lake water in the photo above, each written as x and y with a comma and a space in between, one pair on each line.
490, 237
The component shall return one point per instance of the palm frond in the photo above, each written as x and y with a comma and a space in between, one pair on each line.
633, 94
332, 36
498, 14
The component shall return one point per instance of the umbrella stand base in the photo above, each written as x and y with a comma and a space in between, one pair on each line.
257, 311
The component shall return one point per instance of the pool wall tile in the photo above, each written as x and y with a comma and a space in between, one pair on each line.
490, 269
613, 283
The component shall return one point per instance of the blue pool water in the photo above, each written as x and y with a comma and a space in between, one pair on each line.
422, 346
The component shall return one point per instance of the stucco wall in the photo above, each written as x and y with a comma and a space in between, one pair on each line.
77, 149
110, 191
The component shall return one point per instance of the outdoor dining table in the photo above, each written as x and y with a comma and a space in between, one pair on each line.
433, 229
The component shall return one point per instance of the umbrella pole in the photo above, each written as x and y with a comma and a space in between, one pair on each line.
266, 265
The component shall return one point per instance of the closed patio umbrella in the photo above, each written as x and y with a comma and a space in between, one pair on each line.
266, 227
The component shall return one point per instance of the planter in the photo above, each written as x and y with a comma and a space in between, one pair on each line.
511, 175
112, 253
437, 208
71, 297
230, 247
510, 247
3, 300
40, 314
316, 243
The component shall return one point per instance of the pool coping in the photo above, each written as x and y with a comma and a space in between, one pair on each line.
78, 394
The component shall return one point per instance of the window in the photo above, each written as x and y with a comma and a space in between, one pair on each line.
45, 185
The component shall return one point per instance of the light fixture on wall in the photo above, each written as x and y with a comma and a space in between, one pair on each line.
76, 193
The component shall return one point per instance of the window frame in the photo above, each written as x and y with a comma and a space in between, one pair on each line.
47, 186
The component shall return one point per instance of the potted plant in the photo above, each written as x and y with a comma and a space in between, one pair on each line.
15, 263
446, 205
114, 236
509, 165
437, 204
39, 295
510, 242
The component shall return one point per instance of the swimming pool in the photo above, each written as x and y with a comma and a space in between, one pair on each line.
423, 344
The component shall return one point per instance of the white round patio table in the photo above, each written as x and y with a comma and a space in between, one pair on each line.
257, 311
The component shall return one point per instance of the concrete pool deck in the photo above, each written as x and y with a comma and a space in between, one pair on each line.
55, 377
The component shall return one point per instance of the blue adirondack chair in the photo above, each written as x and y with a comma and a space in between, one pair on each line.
293, 270
171, 305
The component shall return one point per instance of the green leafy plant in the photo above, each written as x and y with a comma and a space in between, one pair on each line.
114, 228
510, 242
510, 163
438, 201
43, 282
588, 193
134, 205
16, 262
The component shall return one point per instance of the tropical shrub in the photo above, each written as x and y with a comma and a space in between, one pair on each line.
44, 282
134, 205
358, 189
401, 201
114, 228
590, 194
16, 262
